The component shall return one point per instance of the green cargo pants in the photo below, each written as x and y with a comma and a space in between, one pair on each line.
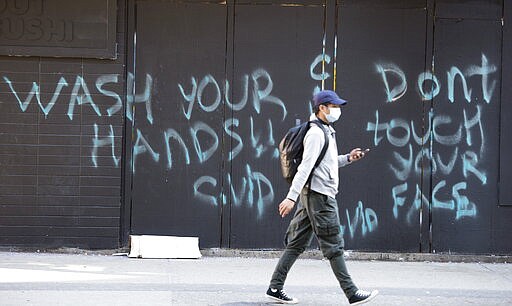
315, 215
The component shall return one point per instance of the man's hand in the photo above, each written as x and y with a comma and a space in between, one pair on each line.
286, 207
357, 154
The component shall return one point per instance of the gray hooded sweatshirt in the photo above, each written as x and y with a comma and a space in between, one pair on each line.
325, 178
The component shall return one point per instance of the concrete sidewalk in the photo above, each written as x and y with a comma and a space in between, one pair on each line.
67, 279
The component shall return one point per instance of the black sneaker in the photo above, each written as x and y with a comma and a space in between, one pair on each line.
280, 296
361, 297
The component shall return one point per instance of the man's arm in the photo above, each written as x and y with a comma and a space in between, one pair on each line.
354, 155
313, 144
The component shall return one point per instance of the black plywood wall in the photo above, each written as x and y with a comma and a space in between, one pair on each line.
176, 133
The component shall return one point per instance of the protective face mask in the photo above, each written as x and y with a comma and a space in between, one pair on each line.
334, 114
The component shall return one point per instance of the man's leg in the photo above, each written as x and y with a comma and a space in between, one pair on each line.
340, 271
323, 212
298, 237
355, 296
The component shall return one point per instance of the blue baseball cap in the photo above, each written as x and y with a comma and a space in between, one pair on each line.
327, 96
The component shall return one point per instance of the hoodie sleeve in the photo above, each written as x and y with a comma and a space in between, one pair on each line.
343, 160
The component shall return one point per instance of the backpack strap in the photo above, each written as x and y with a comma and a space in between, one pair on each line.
322, 153
320, 157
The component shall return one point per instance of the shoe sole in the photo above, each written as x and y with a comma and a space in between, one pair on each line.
371, 297
281, 301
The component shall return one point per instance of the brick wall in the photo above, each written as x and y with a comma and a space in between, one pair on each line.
60, 175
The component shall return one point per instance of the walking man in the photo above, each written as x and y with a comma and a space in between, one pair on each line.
317, 210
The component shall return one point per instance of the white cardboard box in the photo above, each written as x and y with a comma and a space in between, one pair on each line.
150, 246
